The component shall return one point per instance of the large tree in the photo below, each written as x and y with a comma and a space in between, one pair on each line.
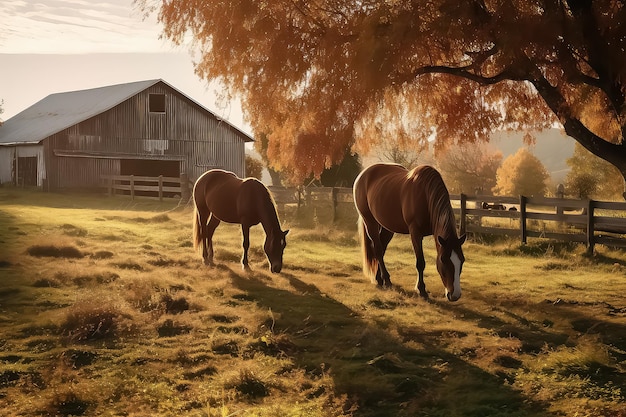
311, 72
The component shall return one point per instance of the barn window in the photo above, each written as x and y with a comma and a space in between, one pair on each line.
157, 103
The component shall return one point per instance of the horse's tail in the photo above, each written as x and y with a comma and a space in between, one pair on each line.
197, 227
370, 263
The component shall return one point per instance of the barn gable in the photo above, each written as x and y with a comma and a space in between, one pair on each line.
143, 128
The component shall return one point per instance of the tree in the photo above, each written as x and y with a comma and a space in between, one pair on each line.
343, 174
591, 176
470, 168
254, 167
521, 174
311, 72
260, 145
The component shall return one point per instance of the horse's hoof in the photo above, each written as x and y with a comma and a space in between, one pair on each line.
246, 268
208, 263
424, 295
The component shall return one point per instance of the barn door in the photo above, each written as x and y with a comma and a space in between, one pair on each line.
27, 171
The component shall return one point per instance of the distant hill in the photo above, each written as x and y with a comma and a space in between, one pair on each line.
552, 147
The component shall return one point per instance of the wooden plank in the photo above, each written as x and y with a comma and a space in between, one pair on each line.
488, 199
566, 204
610, 241
611, 205
509, 214
139, 178
562, 218
152, 188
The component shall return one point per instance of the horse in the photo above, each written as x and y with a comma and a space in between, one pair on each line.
391, 199
220, 195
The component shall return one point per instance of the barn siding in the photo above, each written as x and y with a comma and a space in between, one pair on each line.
79, 155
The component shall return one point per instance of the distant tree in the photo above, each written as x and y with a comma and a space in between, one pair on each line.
591, 176
254, 167
343, 174
396, 153
521, 174
470, 168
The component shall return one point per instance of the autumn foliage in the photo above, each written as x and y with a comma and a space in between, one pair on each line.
521, 174
323, 77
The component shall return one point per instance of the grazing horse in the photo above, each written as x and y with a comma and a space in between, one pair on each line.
222, 196
390, 199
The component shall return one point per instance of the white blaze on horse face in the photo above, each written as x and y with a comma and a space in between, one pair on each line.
456, 261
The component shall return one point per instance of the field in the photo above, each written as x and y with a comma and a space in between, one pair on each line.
105, 309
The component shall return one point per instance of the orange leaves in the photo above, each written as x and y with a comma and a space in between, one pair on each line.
521, 174
321, 76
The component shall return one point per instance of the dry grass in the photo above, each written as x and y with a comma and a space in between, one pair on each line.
138, 326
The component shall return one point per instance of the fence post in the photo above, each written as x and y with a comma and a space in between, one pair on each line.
590, 226
463, 221
185, 191
132, 187
522, 219
160, 187
333, 197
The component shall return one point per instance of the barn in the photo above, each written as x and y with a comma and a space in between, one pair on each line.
72, 140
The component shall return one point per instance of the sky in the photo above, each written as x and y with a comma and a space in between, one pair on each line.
51, 46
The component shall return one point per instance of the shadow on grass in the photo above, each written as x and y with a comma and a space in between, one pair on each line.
599, 320
376, 372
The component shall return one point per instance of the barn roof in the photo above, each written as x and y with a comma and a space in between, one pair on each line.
59, 111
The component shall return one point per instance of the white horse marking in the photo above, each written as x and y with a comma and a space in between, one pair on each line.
456, 261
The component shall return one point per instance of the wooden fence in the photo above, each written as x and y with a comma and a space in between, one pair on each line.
148, 186
331, 197
586, 221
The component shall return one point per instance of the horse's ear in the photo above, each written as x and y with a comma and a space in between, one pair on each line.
441, 240
285, 232
462, 239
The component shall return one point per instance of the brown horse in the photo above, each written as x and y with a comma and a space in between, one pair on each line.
222, 196
390, 199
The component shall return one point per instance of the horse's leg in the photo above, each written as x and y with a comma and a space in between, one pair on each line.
245, 231
208, 242
385, 238
374, 232
420, 263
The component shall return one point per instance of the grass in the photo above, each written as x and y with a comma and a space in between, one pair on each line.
137, 325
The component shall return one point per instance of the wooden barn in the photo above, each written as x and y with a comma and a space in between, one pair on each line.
148, 128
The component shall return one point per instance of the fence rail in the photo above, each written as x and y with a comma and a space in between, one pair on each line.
151, 186
586, 221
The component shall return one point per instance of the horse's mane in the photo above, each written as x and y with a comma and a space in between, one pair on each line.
269, 204
442, 218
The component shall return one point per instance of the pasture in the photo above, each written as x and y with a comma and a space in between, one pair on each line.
105, 309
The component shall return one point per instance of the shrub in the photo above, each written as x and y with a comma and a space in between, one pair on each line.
54, 252
87, 321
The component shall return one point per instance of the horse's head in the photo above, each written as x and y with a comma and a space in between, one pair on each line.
274, 247
450, 263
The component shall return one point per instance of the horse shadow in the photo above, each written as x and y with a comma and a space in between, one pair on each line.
538, 336
372, 367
